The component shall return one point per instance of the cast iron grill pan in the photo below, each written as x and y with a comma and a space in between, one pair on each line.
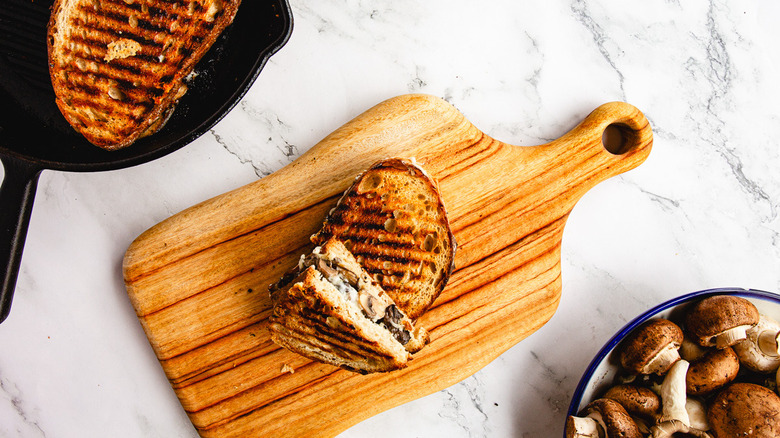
34, 135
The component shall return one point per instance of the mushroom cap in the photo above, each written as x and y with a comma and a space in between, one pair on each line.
745, 409
714, 315
646, 342
614, 418
637, 400
714, 370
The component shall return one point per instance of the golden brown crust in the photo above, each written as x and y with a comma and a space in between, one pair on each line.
394, 220
117, 66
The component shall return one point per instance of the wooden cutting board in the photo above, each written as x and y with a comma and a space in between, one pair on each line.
198, 280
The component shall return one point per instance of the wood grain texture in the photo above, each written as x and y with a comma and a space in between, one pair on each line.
198, 280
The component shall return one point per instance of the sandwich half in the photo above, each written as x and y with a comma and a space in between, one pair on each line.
329, 309
393, 220
118, 66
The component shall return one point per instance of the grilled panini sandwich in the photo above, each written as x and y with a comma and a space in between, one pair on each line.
328, 309
118, 66
393, 220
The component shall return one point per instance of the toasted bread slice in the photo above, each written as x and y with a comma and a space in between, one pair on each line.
118, 66
333, 312
394, 221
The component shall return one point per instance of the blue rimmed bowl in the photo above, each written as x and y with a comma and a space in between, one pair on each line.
603, 369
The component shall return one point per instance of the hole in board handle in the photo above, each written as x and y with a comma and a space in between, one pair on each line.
616, 139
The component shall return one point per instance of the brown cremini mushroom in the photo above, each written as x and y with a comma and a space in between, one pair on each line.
720, 321
637, 400
745, 410
602, 418
714, 370
651, 348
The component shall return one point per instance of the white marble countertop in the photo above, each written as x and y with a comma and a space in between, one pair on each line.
703, 211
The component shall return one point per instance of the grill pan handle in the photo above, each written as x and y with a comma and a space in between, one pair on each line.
17, 193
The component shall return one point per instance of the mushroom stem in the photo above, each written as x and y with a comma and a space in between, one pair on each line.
663, 360
731, 336
673, 394
583, 427
759, 352
669, 428
769, 343
691, 351
675, 405
606, 418
697, 414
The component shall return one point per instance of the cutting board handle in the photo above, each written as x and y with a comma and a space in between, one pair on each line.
617, 128
624, 128
614, 138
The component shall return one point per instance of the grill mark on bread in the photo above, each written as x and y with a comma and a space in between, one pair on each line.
346, 206
96, 103
354, 346
97, 38
97, 98
90, 82
148, 13
161, 9
395, 222
96, 25
377, 248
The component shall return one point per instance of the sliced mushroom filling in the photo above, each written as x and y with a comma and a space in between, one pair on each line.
380, 310
392, 322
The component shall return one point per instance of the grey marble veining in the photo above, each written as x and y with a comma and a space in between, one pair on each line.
703, 211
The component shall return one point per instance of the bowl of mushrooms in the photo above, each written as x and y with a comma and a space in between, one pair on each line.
706, 364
